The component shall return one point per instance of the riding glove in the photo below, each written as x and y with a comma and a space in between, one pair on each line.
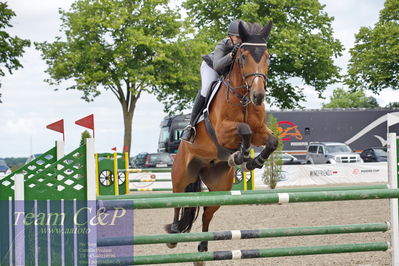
235, 49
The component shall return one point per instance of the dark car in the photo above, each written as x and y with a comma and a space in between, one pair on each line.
152, 160
378, 154
289, 159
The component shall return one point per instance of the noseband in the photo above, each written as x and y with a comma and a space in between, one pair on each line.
245, 99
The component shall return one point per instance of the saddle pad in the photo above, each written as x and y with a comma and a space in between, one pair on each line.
209, 100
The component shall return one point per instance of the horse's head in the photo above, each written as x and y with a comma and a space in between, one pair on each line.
253, 59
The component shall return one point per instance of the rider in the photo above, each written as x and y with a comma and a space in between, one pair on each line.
215, 64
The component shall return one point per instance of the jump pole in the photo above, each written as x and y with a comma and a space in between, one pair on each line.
127, 172
116, 176
243, 234
97, 174
393, 176
267, 198
245, 254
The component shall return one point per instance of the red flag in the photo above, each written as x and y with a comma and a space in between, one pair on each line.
87, 122
114, 149
57, 126
125, 148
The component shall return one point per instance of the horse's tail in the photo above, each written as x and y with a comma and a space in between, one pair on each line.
187, 215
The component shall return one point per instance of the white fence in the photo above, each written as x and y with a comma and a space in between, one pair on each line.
300, 175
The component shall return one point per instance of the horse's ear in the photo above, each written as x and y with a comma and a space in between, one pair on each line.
242, 31
266, 30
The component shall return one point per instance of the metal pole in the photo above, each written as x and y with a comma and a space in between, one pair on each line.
127, 172
206, 194
97, 175
393, 182
245, 254
116, 176
243, 234
220, 200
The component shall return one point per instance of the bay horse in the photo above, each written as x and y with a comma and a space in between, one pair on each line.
235, 119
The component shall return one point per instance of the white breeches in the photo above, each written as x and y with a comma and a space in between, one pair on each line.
208, 75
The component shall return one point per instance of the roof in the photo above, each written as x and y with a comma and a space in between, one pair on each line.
327, 143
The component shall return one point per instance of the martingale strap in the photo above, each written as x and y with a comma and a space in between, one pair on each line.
222, 152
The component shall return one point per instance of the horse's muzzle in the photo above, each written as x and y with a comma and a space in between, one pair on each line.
257, 98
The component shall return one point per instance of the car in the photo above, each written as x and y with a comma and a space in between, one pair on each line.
377, 154
331, 153
152, 160
4, 169
32, 157
290, 159
287, 158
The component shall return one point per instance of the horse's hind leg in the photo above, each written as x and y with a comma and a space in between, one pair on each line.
206, 220
217, 178
184, 179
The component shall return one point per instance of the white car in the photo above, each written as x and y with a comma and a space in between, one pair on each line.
330, 153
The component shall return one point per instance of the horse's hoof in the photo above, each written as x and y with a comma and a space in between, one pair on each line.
203, 246
232, 159
199, 263
172, 228
171, 245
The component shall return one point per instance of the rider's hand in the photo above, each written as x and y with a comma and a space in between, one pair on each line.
235, 49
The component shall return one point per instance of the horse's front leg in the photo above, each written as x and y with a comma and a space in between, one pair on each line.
243, 131
270, 141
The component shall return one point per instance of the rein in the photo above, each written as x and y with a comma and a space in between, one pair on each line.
244, 99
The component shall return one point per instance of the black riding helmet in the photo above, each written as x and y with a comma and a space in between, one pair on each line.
233, 28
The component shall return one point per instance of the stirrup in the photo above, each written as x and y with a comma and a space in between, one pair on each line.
193, 132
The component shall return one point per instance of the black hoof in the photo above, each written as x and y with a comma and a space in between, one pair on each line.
172, 228
203, 246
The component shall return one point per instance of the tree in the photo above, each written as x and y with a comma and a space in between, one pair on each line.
350, 99
274, 165
392, 105
85, 135
301, 43
10, 47
374, 63
127, 47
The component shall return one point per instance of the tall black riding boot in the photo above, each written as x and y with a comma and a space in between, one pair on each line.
189, 132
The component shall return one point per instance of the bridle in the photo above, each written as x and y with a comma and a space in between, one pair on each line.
244, 99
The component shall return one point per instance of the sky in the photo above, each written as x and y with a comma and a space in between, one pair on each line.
29, 104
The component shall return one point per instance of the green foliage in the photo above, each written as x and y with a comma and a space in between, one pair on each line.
374, 63
273, 166
10, 47
127, 47
301, 43
392, 105
85, 135
351, 99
